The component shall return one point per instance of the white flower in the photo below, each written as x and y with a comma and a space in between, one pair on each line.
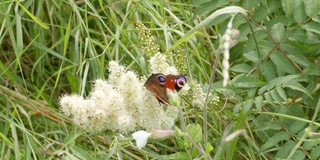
159, 64
141, 138
121, 103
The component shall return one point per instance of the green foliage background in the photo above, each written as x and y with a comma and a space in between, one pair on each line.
54, 47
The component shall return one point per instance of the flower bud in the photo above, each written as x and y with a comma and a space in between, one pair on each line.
162, 134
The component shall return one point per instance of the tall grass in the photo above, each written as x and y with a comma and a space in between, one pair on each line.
54, 47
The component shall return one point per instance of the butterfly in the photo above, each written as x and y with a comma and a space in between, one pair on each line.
159, 83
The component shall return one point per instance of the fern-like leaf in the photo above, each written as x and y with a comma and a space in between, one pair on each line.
312, 7
315, 154
297, 86
258, 102
296, 127
312, 69
283, 63
285, 150
246, 82
312, 27
288, 7
275, 139
299, 13
268, 125
278, 32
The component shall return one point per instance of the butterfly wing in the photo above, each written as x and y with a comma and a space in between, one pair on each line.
175, 82
155, 84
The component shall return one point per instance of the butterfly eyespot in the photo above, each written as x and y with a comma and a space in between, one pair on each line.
181, 81
161, 80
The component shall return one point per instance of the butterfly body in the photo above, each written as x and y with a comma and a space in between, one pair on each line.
159, 83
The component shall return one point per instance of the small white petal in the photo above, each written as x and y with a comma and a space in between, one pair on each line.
141, 138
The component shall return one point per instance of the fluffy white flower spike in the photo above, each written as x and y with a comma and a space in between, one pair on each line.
121, 103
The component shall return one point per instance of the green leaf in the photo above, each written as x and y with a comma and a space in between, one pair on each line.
195, 132
299, 14
258, 102
285, 150
299, 58
278, 32
242, 68
80, 153
276, 97
272, 141
268, 125
209, 148
282, 62
297, 126
237, 107
297, 86
36, 19
177, 155
246, 82
267, 70
72, 136
312, 27
315, 154
253, 57
282, 93
247, 105
312, 69
269, 99
288, 7
279, 81
312, 7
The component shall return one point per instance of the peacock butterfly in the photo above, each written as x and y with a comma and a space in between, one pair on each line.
159, 83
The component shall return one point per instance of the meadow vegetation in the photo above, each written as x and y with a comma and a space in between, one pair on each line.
254, 65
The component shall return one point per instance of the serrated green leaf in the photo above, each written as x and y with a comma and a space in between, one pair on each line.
315, 154
252, 56
282, 62
247, 105
282, 93
278, 32
312, 7
242, 68
276, 97
299, 58
298, 154
279, 81
269, 99
249, 4
299, 14
237, 107
312, 27
267, 70
297, 126
316, 18
312, 69
285, 150
246, 82
288, 7
298, 48
195, 132
272, 141
268, 125
258, 102
297, 86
